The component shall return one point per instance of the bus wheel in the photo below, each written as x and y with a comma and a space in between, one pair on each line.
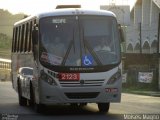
31, 101
103, 107
22, 100
39, 107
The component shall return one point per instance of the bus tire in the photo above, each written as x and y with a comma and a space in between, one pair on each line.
103, 107
38, 107
31, 101
22, 100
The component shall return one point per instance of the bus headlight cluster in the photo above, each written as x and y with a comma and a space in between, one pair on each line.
47, 78
114, 77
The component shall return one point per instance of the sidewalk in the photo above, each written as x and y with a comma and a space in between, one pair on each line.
148, 93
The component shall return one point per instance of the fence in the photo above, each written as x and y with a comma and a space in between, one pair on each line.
5, 68
5, 64
141, 79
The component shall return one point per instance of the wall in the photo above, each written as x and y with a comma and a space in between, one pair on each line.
145, 12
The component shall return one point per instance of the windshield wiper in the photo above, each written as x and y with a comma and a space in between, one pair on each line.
86, 45
68, 50
67, 53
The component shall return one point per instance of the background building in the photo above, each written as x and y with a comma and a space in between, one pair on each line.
141, 47
142, 34
142, 44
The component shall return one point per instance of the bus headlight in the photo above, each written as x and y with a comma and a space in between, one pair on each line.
114, 77
47, 78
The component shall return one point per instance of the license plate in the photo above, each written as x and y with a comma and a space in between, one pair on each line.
69, 76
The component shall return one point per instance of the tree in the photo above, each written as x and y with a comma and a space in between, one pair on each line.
5, 41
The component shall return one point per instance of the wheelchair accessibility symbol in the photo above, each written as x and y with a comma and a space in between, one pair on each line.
87, 60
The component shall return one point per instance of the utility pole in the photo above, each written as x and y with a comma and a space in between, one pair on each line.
158, 35
140, 36
158, 42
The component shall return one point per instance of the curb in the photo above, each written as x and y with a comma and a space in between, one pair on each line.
147, 93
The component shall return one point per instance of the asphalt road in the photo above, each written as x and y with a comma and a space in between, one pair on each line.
130, 104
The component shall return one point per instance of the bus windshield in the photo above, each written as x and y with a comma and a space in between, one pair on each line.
87, 41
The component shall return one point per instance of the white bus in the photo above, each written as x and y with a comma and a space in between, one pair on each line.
75, 56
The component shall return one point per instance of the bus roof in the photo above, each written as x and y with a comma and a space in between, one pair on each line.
68, 11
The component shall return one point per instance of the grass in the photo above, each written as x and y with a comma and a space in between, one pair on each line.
141, 91
5, 53
4, 75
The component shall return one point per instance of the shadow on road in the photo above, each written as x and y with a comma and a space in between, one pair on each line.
67, 110
69, 113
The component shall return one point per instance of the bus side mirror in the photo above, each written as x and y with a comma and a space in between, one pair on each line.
34, 37
121, 33
34, 42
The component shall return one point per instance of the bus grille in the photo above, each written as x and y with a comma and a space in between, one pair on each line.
84, 83
82, 95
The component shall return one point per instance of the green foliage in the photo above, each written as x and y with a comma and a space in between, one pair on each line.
5, 41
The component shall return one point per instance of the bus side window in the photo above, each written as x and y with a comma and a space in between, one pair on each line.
22, 38
30, 38
13, 39
18, 40
26, 38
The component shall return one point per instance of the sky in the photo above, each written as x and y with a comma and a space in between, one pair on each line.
36, 6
